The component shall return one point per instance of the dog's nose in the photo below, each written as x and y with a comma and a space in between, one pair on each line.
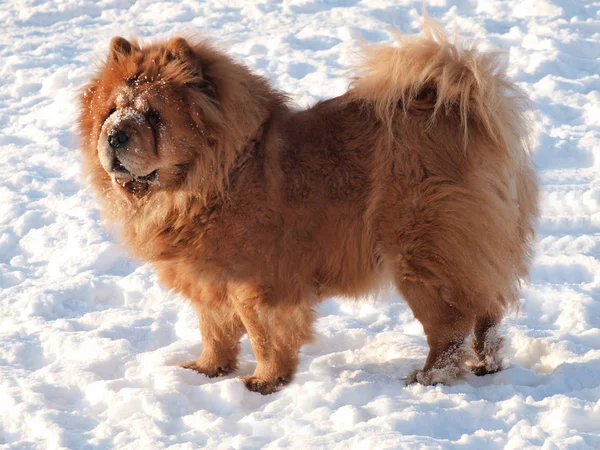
118, 139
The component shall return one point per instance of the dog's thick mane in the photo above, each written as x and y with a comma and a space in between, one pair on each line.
239, 105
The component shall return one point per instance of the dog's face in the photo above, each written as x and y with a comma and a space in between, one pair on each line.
147, 111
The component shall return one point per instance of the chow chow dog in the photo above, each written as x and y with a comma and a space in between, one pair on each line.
420, 175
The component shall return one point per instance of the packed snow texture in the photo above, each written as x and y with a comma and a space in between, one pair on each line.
90, 342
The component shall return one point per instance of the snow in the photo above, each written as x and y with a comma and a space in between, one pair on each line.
90, 342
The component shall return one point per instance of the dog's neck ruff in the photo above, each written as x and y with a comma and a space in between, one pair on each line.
247, 153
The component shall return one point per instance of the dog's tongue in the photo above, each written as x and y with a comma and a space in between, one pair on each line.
122, 178
136, 185
131, 184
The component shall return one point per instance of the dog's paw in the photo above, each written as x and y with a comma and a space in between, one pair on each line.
211, 372
488, 360
448, 375
264, 387
424, 377
486, 366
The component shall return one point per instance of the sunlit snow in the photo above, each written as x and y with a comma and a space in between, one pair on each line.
90, 342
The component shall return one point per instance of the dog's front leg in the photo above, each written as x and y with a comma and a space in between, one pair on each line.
221, 330
276, 332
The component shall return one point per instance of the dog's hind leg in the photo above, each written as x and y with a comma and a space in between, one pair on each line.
447, 329
276, 332
486, 343
221, 331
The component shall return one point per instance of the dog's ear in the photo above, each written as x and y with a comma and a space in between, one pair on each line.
181, 49
119, 46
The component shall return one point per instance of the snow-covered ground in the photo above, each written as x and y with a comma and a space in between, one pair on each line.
90, 342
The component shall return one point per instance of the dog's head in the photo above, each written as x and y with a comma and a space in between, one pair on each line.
171, 115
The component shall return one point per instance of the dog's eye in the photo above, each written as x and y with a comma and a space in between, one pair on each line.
153, 115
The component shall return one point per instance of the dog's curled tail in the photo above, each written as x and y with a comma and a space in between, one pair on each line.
428, 72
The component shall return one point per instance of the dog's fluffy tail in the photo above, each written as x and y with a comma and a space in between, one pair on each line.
429, 72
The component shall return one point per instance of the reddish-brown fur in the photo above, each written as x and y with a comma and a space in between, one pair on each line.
419, 175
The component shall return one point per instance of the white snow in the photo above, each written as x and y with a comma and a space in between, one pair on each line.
90, 342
